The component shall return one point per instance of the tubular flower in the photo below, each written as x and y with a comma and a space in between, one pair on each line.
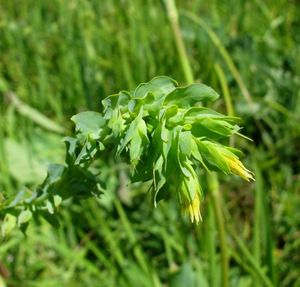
193, 208
238, 168
190, 197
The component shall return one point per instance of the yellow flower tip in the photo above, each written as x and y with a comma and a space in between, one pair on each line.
193, 209
238, 168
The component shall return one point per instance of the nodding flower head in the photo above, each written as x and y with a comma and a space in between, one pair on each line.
190, 197
237, 167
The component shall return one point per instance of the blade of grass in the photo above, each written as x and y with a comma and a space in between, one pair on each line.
213, 185
138, 253
249, 257
211, 245
34, 115
258, 220
96, 220
225, 90
173, 18
227, 58
263, 224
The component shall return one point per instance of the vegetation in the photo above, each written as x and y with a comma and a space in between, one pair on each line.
58, 58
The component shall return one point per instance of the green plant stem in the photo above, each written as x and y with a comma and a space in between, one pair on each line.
263, 225
212, 178
213, 184
226, 94
258, 222
173, 18
225, 90
211, 246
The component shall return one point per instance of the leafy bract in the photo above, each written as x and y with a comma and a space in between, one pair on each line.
89, 124
186, 97
159, 86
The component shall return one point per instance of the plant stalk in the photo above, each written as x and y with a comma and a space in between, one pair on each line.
213, 184
173, 18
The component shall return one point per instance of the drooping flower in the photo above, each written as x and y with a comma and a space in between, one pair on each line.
190, 196
193, 209
237, 167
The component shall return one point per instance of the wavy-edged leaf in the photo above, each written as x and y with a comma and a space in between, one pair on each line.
116, 101
186, 97
89, 124
197, 113
158, 86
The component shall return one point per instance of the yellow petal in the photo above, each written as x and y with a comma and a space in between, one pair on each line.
238, 168
193, 208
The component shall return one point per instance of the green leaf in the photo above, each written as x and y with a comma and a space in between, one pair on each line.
23, 166
115, 108
179, 157
184, 277
192, 182
72, 181
186, 97
55, 172
8, 224
159, 177
196, 154
151, 104
158, 86
116, 101
197, 113
220, 127
89, 124
117, 123
24, 217
201, 131
28, 159
71, 145
144, 170
136, 135
185, 143
135, 149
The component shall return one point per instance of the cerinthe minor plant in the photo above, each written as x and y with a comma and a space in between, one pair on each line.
163, 132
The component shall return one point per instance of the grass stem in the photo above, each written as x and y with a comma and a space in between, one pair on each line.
213, 184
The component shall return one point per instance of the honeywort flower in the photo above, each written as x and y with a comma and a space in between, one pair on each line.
237, 167
193, 208
190, 195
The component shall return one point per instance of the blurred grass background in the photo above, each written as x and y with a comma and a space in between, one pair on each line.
61, 57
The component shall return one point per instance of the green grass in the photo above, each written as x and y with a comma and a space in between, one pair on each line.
61, 57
